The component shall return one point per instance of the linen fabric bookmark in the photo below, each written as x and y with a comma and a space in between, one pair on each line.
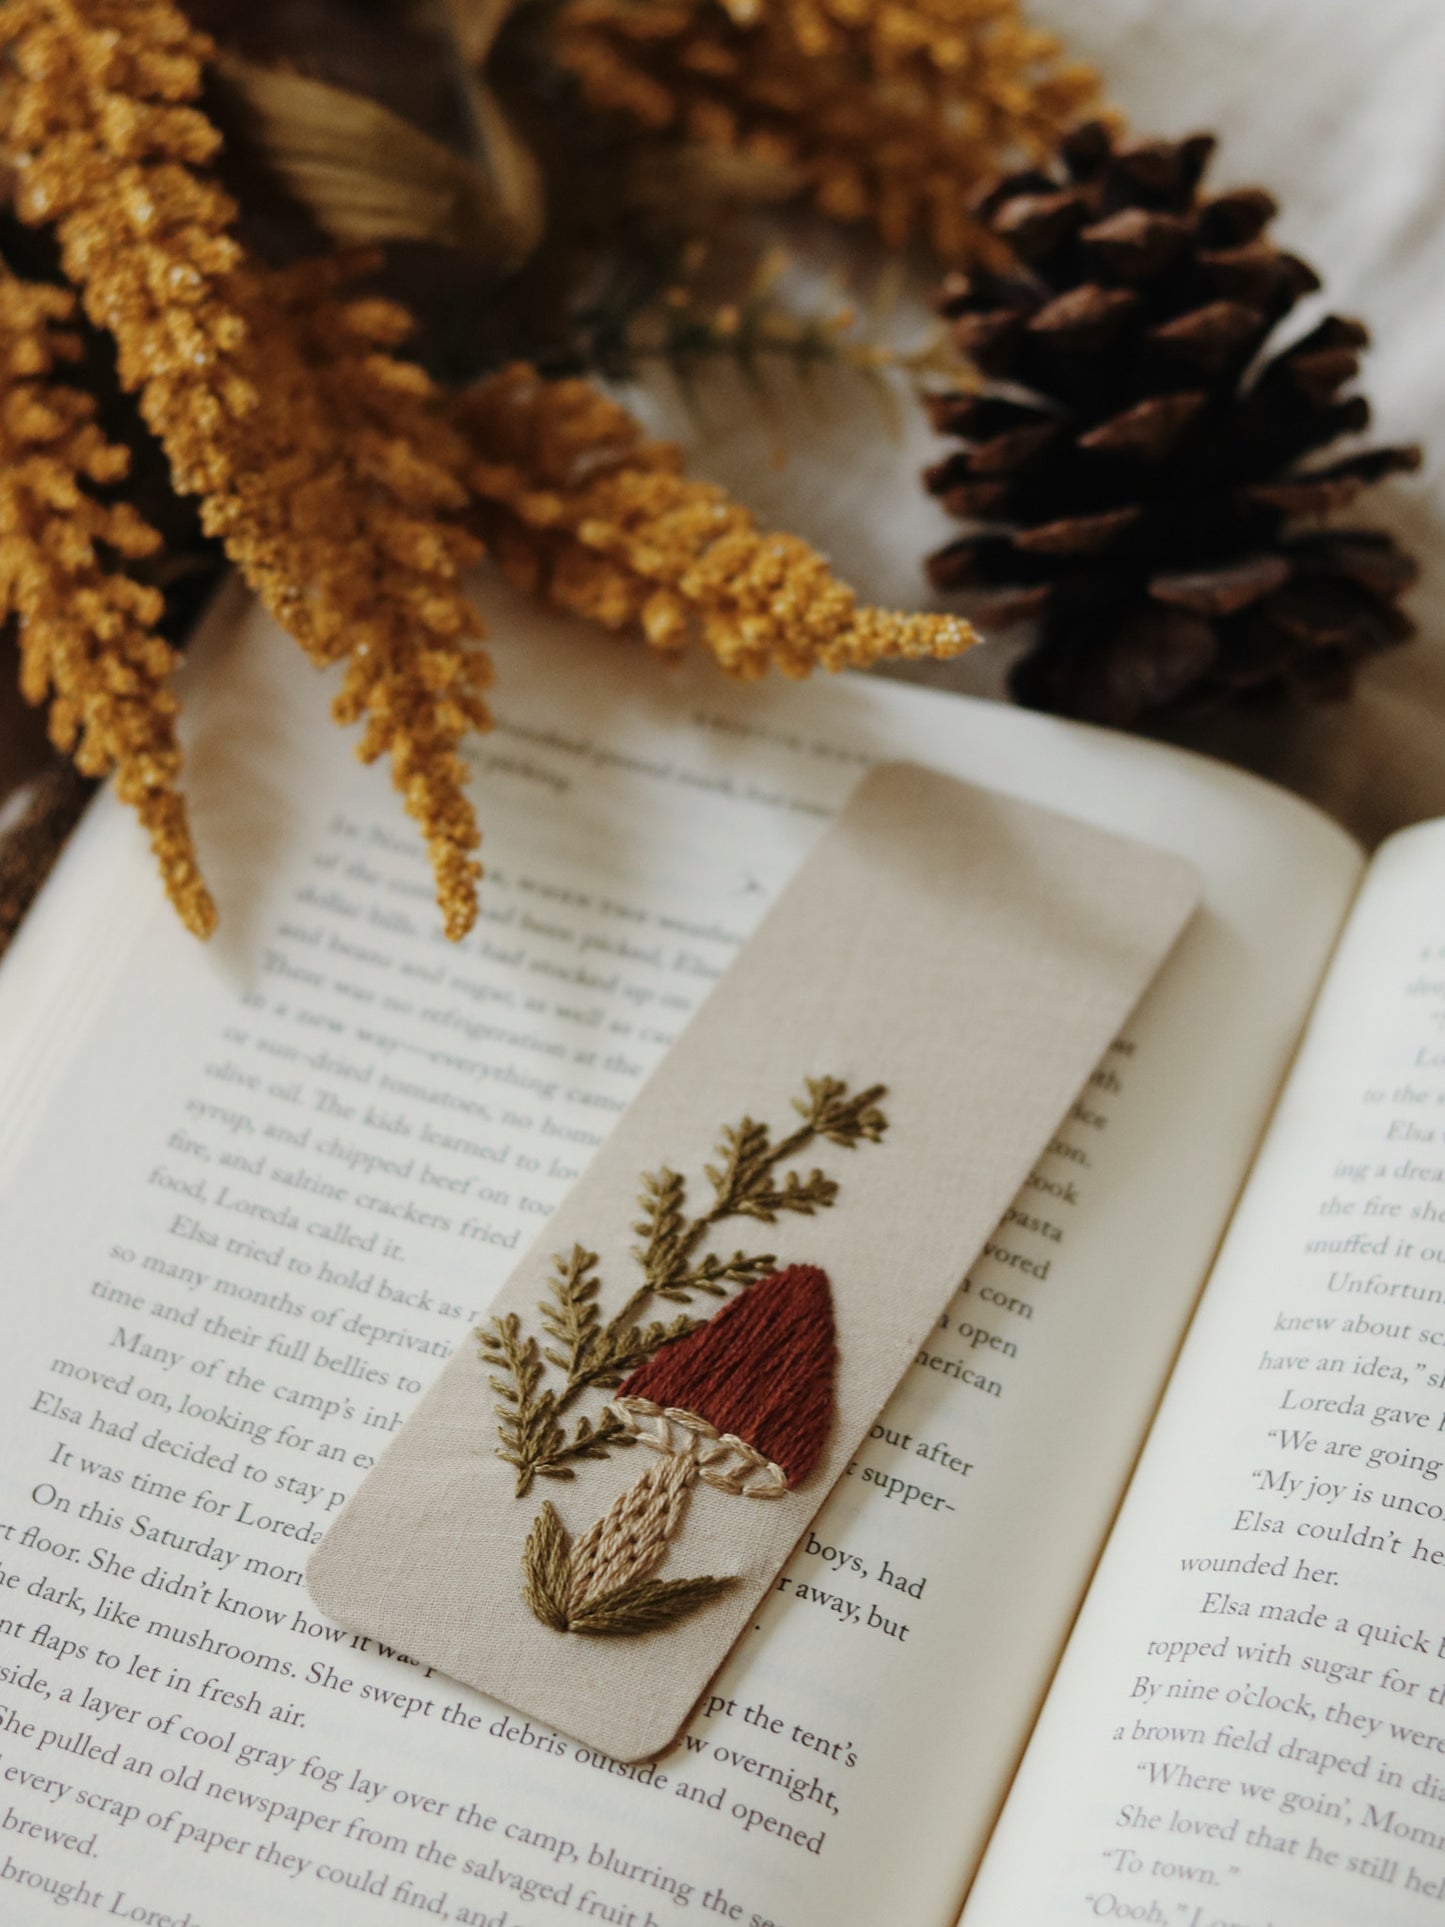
585, 1509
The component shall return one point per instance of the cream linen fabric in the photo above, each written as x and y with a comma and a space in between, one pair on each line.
1335, 106
974, 954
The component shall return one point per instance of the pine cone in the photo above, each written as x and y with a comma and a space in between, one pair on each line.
1135, 475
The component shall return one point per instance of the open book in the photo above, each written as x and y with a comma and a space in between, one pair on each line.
253, 1195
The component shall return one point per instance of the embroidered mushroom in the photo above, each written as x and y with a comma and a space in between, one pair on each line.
744, 1403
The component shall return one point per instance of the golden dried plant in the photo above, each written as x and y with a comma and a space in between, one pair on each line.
366, 564
891, 114
87, 631
582, 509
311, 447
342, 488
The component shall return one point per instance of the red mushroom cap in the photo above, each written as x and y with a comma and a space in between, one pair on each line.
761, 1368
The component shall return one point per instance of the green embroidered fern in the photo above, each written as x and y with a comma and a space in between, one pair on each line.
587, 1352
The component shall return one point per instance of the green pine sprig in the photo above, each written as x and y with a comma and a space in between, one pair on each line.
752, 1176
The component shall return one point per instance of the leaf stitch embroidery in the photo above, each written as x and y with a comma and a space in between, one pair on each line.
746, 1402
641, 1607
748, 1181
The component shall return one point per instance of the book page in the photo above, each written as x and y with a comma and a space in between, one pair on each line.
1249, 1723
253, 1195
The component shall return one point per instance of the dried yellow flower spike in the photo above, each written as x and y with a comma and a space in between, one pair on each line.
346, 532
87, 634
316, 454
579, 507
891, 114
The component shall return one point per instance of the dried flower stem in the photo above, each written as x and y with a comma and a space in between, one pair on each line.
889, 114
380, 589
583, 510
87, 631
666, 320
315, 454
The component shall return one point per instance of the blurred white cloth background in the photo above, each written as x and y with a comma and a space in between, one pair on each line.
1335, 106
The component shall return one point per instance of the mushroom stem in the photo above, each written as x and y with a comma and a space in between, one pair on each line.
628, 1543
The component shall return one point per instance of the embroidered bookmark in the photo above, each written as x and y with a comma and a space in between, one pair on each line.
569, 1520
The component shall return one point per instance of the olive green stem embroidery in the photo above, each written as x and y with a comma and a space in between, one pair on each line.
638, 1606
586, 1352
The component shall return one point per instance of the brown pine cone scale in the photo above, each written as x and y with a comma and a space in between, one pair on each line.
1139, 473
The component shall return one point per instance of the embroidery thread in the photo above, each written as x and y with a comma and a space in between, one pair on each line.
743, 1402
586, 1352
